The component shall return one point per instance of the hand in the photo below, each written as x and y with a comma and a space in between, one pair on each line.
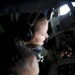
69, 55
62, 53
65, 53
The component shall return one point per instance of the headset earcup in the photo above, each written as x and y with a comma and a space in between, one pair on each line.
29, 35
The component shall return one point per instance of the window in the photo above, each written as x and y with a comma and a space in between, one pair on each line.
64, 9
73, 3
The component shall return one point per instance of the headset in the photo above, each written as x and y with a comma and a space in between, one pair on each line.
33, 17
26, 24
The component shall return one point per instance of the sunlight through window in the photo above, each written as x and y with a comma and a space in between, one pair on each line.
73, 3
64, 9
